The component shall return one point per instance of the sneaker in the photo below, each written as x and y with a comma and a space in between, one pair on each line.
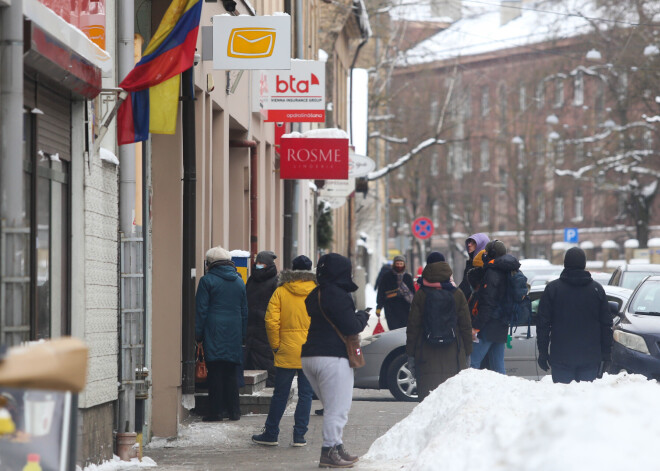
346, 455
330, 458
265, 438
299, 440
318, 411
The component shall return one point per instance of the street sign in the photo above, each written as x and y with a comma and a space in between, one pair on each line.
422, 228
571, 235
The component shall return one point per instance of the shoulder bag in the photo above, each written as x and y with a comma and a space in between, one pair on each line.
355, 357
201, 373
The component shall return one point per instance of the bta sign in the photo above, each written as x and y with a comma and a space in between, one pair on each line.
314, 158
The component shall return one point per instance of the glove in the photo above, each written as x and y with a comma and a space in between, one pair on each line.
378, 311
543, 362
411, 365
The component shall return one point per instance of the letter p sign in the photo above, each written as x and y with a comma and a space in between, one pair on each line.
571, 235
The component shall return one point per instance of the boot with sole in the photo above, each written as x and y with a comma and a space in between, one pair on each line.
345, 455
330, 458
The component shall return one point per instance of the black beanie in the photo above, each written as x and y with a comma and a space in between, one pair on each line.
266, 257
301, 263
495, 248
435, 257
575, 258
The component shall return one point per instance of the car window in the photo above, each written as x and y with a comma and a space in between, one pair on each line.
647, 298
631, 279
615, 277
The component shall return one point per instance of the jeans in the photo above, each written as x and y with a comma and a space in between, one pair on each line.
484, 347
283, 379
565, 374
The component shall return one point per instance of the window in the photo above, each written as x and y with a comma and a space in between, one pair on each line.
434, 113
504, 177
435, 162
540, 148
450, 158
467, 157
520, 154
540, 95
559, 93
559, 152
522, 97
540, 206
579, 147
578, 89
579, 205
435, 209
521, 207
648, 139
484, 158
485, 105
559, 208
502, 100
622, 85
467, 104
599, 100
401, 173
485, 210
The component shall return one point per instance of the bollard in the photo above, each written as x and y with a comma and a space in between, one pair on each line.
126, 442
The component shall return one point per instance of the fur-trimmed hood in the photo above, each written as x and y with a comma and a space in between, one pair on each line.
287, 276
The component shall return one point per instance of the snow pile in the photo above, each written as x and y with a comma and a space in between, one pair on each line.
480, 420
115, 464
202, 433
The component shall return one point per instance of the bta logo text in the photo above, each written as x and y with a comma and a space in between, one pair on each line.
301, 86
314, 155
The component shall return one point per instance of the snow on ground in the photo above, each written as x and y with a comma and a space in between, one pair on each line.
202, 434
118, 465
480, 420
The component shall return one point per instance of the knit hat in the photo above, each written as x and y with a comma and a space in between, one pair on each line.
266, 257
575, 258
478, 259
495, 248
435, 257
301, 263
217, 253
399, 258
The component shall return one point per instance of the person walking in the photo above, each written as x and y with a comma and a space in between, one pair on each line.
473, 245
260, 287
324, 357
489, 330
395, 292
287, 324
432, 363
221, 326
574, 325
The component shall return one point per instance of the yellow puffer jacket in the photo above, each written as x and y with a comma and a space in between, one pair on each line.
287, 321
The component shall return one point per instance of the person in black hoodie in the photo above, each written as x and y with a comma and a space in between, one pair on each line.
395, 291
324, 357
259, 288
489, 330
574, 320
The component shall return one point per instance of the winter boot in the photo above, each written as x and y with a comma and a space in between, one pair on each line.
345, 455
330, 458
265, 438
299, 440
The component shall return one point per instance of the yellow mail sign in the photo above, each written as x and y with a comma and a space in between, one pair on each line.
251, 43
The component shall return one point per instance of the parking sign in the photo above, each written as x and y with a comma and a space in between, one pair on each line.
571, 235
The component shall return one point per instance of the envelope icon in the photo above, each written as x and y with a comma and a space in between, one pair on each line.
251, 43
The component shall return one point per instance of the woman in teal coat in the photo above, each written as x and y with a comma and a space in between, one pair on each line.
221, 324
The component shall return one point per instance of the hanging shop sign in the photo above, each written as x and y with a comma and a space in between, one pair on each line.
296, 95
251, 42
360, 165
335, 192
313, 158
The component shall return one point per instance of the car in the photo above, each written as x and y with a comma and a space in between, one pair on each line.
387, 363
636, 347
601, 277
541, 280
533, 271
629, 275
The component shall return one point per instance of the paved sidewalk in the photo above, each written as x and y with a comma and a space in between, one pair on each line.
228, 446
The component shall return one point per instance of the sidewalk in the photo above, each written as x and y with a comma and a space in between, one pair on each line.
228, 446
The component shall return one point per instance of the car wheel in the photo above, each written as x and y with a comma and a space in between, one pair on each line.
400, 380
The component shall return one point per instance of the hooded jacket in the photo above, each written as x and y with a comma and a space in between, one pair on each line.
221, 314
435, 364
287, 321
574, 320
481, 240
335, 285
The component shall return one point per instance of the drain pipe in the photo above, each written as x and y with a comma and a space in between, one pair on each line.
254, 220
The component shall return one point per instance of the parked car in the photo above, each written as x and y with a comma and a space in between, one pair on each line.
541, 280
629, 275
601, 277
534, 271
636, 347
387, 363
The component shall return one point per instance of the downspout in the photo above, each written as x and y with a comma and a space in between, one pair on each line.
254, 207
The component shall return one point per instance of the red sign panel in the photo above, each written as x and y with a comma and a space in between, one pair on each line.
296, 116
314, 158
422, 228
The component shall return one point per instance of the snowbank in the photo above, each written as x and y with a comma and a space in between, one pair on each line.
480, 420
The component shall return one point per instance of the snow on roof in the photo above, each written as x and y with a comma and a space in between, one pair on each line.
239, 253
586, 245
609, 244
654, 242
631, 244
481, 420
480, 30
325, 133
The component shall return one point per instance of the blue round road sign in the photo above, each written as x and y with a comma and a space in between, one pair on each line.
422, 228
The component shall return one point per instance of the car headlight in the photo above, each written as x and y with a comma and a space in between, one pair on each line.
369, 340
631, 341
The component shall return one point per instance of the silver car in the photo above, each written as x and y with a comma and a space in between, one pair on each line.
387, 363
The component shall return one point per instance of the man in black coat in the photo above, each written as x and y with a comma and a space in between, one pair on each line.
395, 292
259, 288
574, 320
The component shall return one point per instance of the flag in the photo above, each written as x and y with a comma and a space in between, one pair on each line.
154, 81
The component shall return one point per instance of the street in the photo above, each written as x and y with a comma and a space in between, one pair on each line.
228, 445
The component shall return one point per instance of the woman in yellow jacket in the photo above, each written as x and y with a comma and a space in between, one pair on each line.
287, 323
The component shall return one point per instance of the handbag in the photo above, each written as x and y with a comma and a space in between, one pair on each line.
352, 342
201, 373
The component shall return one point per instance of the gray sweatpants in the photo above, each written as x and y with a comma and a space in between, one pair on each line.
332, 381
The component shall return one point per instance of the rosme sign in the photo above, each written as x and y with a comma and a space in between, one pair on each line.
295, 95
314, 158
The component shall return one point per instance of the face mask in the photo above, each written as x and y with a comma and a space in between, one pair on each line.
259, 266
399, 269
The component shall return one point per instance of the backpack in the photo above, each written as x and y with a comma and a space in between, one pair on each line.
439, 319
517, 307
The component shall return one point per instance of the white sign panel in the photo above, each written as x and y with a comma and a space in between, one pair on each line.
251, 42
337, 188
360, 165
283, 93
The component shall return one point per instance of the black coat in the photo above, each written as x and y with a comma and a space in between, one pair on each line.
574, 320
335, 286
259, 288
396, 308
491, 296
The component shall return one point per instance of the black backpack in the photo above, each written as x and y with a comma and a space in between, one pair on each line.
439, 319
516, 307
